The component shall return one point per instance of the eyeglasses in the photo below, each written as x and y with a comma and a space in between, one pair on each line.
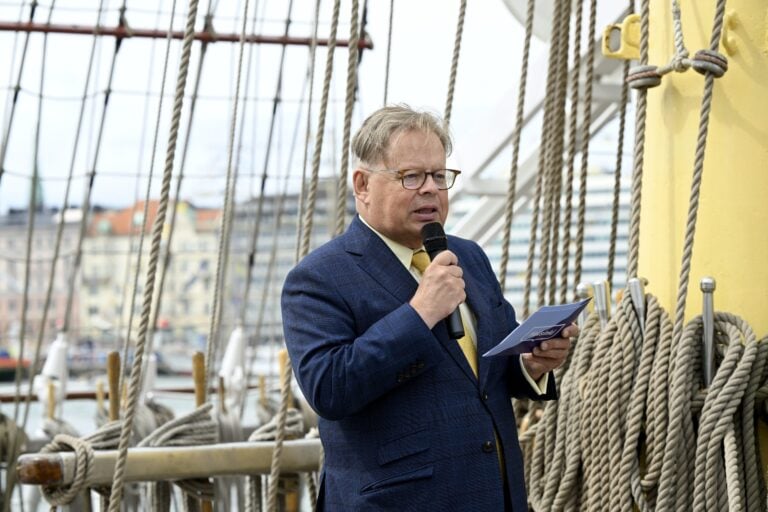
413, 179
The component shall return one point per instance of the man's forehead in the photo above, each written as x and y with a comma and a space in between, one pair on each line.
402, 141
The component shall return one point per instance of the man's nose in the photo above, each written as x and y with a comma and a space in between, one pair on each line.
429, 185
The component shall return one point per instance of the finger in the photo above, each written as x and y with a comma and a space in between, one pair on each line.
571, 331
550, 354
445, 258
555, 344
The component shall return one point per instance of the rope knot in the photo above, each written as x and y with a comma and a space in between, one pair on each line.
709, 61
644, 77
62, 495
680, 62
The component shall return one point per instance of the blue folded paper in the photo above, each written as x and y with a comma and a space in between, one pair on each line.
546, 323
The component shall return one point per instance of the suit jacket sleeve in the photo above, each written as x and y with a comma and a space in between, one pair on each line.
343, 358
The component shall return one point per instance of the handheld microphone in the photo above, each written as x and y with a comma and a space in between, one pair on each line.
435, 242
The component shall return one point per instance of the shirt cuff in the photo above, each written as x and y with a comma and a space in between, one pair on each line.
541, 386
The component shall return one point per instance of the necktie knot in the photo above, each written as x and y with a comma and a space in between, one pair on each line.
420, 260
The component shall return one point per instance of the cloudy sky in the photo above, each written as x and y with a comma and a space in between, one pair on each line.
422, 44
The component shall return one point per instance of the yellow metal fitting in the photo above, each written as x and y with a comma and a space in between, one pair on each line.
622, 40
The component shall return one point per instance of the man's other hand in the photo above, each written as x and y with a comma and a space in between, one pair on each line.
550, 354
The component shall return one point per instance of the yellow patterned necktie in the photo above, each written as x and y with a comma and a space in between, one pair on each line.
420, 261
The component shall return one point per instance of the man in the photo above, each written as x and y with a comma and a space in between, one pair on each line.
410, 419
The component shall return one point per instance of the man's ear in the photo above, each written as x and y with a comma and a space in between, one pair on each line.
360, 183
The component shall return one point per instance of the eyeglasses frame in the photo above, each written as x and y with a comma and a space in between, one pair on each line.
401, 176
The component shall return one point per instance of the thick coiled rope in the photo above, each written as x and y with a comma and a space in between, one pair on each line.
604, 391
194, 429
719, 439
635, 428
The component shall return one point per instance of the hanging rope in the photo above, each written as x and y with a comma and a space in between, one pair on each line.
341, 196
157, 231
276, 102
16, 89
698, 168
586, 136
554, 203
319, 136
226, 221
512, 184
251, 262
542, 164
266, 289
641, 107
454, 63
575, 72
389, 50
619, 164
147, 195
716, 447
307, 141
281, 421
208, 27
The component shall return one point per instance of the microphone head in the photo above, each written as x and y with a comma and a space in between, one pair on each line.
434, 239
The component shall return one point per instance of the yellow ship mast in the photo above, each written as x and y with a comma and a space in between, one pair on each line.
731, 244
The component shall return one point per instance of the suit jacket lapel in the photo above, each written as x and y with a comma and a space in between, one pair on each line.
375, 258
478, 302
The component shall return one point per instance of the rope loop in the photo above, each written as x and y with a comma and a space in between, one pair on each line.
644, 77
63, 495
708, 61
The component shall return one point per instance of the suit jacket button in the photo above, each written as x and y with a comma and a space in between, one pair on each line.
488, 447
400, 377
485, 397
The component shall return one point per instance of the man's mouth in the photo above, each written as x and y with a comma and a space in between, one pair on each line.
427, 211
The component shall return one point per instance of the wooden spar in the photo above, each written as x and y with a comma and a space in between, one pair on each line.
173, 463
113, 374
199, 376
94, 395
123, 32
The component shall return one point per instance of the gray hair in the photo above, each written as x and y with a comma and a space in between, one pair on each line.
372, 141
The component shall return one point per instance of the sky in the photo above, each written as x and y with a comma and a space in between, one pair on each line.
422, 42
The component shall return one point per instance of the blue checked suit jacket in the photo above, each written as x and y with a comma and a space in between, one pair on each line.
404, 422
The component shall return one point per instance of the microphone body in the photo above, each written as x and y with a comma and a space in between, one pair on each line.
435, 242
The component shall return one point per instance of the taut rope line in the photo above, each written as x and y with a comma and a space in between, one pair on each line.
572, 134
454, 63
585, 138
520, 111
157, 231
319, 135
349, 104
219, 288
145, 213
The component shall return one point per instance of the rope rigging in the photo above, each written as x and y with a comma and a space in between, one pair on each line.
145, 213
631, 393
520, 111
10, 115
157, 228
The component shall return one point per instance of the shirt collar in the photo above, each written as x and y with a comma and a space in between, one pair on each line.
402, 253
